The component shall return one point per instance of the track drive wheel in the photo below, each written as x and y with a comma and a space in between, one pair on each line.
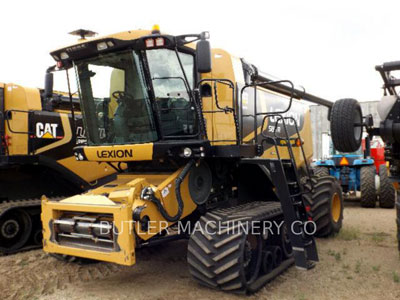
15, 230
387, 192
368, 191
326, 205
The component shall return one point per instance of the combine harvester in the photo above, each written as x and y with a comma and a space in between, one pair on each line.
211, 144
36, 158
348, 123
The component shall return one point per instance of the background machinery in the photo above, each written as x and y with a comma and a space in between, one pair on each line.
36, 159
217, 152
357, 172
347, 124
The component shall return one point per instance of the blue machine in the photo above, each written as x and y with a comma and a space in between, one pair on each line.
346, 168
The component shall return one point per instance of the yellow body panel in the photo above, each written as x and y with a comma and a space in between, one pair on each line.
122, 214
88, 171
19, 100
223, 126
123, 198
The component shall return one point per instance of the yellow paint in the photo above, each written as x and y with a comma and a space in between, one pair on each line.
19, 101
138, 152
88, 171
122, 200
121, 214
47, 135
336, 207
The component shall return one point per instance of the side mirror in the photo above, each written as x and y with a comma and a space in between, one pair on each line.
48, 85
203, 56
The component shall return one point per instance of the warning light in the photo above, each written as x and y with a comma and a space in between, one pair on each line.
155, 29
344, 161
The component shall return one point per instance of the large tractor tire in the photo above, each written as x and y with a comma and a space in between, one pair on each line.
326, 205
387, 192
321, 171
346, 130
368, 191
398, 220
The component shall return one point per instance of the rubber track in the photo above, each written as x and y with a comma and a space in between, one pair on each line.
321, 171
387, 192
24, 204
368, 193
342, 125
215, 260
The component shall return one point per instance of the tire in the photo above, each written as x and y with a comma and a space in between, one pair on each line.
368, 192
387, 192
344, 114
325, 205
321, 171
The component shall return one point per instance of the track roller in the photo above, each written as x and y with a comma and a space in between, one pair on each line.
15, 230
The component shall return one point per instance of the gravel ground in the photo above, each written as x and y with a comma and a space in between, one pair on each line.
361, 262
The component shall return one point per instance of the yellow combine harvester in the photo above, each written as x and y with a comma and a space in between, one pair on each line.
36, 158
216, 154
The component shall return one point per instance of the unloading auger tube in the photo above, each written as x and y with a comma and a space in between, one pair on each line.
259, 77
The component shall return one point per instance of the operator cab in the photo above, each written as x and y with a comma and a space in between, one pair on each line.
139, 90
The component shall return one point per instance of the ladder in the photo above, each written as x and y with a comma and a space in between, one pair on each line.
285, 177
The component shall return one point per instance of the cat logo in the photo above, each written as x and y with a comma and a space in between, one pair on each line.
47, 131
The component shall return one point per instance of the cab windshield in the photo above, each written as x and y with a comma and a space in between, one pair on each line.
117, 99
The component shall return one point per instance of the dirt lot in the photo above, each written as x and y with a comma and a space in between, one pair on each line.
362, 262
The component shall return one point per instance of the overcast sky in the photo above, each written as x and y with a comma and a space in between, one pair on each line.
329, 48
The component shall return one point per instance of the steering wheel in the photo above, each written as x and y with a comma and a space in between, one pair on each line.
119, 95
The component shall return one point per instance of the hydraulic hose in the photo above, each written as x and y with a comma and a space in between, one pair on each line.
148, 194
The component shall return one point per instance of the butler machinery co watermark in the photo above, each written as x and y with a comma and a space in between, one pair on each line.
266, 228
